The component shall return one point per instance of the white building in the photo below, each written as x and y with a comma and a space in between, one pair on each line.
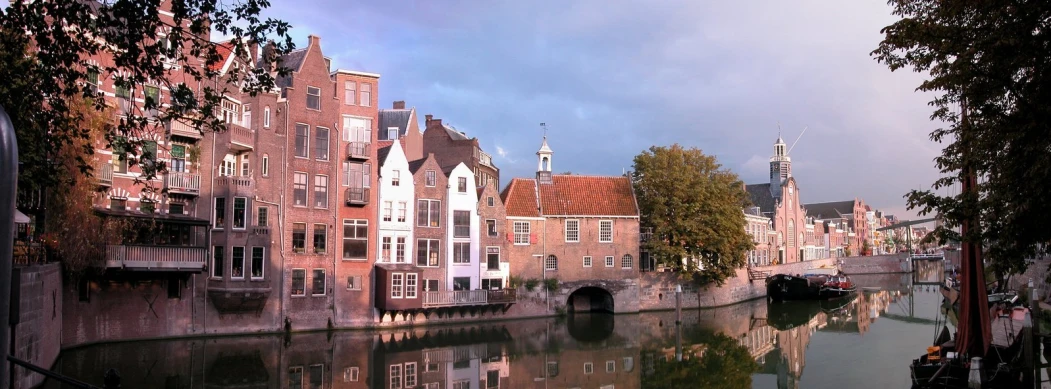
396, 200
462, 231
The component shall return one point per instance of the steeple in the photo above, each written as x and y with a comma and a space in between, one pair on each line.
543, 162
780, 167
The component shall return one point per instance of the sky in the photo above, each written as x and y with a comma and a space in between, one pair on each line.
612, 78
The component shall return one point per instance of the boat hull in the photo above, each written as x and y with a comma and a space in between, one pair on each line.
785, 287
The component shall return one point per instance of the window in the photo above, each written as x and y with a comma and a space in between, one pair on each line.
228, 166
366, 95
461, 253
320, 191
552, 369
492, 379
392, 133
320, 238
461, 184
153, 100
354, 283
490, 201
357, 129
587, 261
349, 90
430, 286
399, 250
237, 263
93, 79
244, 166
266, 165
317, 376
396, 286
395, 376
262, 217
217, 261
427, 251
401, 211
118, 204
178, 154
461, 224
385, 245
240, 207
572, 231
299, 237
302, 132
410, 286
589, 368
299, 189
461, 283
609, 261
492, 284
492, 258
321, 143
299, 282
366, 175
355, 239
313, 98
611, 366
175, 209
521, 233
147, 206
295, 377
387, 210
353, 175
428, 213
626, 261
123, 93
430, 178
395, 178
551, 263
605, 231
490, 227
219, 214
257, 263
319, 283
462, 384
266, 117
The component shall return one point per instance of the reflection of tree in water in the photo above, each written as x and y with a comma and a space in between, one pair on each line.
714, 361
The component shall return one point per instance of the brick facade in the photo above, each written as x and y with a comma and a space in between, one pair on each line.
430, 224
451, 147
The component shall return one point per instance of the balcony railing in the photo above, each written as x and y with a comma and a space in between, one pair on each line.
358, 150
184, 129
236, 181
185, 183
357, 196
468, 297
104, 174
179, 258
240, 136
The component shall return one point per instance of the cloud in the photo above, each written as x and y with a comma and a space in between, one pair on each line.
612, 79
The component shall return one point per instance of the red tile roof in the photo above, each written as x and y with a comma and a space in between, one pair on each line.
520, 198
588, 196
571, 195
225, 49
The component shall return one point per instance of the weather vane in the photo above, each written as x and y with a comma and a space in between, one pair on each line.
544, 126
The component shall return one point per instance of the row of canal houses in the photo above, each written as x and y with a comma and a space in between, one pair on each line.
316, 208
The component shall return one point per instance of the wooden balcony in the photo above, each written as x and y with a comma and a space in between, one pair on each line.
183, 129
241, 138
104, 174
356, 196
183, 183
358, 150
156, 258
468, 298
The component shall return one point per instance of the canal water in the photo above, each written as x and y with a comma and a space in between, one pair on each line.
863, 342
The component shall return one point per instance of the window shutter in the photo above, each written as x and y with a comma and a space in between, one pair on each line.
510, 236
532, 238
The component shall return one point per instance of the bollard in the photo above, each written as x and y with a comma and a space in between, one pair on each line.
678, 304
8, 191
112, 380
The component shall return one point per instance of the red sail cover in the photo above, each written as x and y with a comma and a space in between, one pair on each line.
973, 333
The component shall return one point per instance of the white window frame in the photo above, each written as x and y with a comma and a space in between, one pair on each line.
365, 94
324, 280
402, 209
233, 214
395, 178
397, 290
609, 260
629, 258
324, 178
351, 374
587, 261
306, 141
523, 232
356, 280
589, 368
292, 280
412, 281
307, 101
602, 223
350, 91
571, 234
611, 366
466, 257
262, 266
266, 165
266, 117
243, 252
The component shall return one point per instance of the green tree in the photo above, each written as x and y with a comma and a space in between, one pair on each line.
722, 363
994, 58
47, 64
694, 206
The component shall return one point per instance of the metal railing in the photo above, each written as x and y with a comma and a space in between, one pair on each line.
502, 296
468, 297
358, 150
357, 196
179, 182
156, 257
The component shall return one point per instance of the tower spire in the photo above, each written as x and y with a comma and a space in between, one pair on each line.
543, 159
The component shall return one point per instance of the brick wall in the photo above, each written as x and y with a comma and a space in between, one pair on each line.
38, 334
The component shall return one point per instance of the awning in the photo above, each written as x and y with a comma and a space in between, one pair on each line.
21, 218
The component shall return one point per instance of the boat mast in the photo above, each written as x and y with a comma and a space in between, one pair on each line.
973, 334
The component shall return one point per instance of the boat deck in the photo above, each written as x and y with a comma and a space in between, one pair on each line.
1007, 328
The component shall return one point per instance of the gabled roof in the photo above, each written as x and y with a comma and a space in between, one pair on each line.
294, 59
830, 210
415, 166
520, 198
453, 134
761, 197
394, 118
225, 50
382, 153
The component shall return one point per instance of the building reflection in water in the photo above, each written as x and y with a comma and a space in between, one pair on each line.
583, 351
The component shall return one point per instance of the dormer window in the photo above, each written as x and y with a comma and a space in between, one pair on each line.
392, 133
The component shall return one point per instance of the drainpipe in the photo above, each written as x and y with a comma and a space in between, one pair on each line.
281, 217
8, 180
543, 262
208, 229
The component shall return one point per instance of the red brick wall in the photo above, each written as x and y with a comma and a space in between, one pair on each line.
37, 336
438, 192
498, 214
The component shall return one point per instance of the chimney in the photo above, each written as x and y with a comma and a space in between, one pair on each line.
253, 51
427, 122
400, 104
314, 40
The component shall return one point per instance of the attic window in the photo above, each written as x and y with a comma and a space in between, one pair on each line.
392, 133
313, 98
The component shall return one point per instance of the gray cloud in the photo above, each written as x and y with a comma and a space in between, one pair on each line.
612, 78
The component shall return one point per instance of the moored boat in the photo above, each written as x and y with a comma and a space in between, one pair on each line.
816, 284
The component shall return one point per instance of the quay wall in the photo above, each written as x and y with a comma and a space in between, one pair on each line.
37, 334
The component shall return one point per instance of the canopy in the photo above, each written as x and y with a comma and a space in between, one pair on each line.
21, 218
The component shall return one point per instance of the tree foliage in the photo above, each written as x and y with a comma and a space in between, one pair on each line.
48, 49
694, 206
994, 58
723, 363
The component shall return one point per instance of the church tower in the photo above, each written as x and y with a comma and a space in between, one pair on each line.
780, 167
543, 163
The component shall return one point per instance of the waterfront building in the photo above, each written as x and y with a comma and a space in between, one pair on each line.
401, 124
451, 147
431, 185
463, 236
849, 216
580, 230
760, 228
778, 200
495, 268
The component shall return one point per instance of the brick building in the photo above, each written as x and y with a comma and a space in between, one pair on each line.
452, 147
778, 200
760, 229
400, 123
849, 216
492, 215
431, 224
578, 229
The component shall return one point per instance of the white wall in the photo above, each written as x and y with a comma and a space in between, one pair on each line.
462, 202
405, 191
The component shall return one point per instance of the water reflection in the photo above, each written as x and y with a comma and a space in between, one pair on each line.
728, 347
